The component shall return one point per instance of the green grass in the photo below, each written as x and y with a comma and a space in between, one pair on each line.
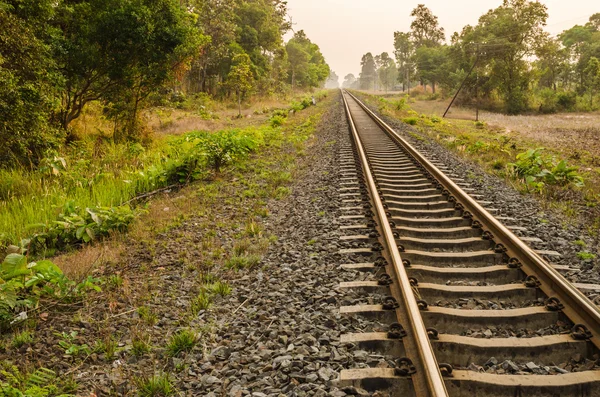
155, 386
586, 255
22, 338
183, 341
238, 262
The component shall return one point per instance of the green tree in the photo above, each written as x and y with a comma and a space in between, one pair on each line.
307, 66
240, 78
404, 51
509, 35
431, 64
551, 61
387, 72
27, 83
425, 29
118, 51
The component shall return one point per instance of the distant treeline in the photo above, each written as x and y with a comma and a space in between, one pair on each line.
57, 56
516, 65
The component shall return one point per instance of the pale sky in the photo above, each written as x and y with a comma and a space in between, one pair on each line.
347, 29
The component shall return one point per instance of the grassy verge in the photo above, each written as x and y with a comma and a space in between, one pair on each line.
204, 234
569, 184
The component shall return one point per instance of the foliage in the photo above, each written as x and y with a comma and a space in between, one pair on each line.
23, 284
75, 227
42, 382
538, 170
307, 66
68, 341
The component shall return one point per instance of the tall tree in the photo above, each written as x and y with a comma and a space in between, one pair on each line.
240, 78
97, 58
307, 66
368, 72
403, 51
425, 29
27, 80
333, 81
387, 72
349, 81
510, 34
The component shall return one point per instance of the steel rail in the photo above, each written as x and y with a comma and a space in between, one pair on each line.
576, 305
433, 376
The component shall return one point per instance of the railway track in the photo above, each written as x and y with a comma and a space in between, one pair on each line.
441, 267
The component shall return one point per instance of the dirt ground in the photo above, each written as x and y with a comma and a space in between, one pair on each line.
574, 134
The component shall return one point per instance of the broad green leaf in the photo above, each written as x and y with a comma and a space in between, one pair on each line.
14, 265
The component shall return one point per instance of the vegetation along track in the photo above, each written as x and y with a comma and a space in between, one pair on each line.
443, 268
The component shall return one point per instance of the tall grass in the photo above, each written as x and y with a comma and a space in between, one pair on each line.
93, 174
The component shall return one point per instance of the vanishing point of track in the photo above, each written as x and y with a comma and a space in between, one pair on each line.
430, 240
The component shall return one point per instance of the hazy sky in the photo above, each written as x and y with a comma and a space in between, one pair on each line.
347, 29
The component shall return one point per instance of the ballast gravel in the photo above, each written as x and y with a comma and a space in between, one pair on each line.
557, 233
278, 333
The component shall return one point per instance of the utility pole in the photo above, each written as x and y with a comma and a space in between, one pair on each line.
463, 82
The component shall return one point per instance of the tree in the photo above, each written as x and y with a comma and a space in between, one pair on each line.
307, 66
118, 50
510, 34
349, 81
431, 64
403, 51
368, 72
551, 60
425, 29
333, 81
27, 77
387, 72
240, 78
592, 74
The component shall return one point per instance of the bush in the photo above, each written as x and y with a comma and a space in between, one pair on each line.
410, 120
277, 121
566, 101
548, 101
538, 170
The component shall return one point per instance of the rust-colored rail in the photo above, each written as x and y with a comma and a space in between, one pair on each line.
429, 378
577, 306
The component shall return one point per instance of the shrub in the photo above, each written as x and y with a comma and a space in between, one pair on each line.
548, 101
566, 101
23, 284
538, 170
410, 120
277, 121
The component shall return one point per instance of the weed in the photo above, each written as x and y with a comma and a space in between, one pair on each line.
115, 281
253, 229
69, 343
155, 386
200, 303
580, 243
312, 241
584, 256
410, 120
108, 346
321, 213
22, 338
183, 341
281, 192
147, 315
242, 262
241, 247
220, 288
140, 345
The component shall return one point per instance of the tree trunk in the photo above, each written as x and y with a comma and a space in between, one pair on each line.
239, 104
433, 87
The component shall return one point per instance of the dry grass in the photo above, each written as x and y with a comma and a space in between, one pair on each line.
79, 264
